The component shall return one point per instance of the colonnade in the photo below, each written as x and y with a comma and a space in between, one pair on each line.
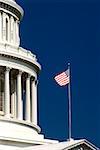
9, 29
16, 99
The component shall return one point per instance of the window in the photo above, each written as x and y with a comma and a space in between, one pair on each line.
1, 94
7, 29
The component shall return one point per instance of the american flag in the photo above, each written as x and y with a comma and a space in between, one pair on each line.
63, 78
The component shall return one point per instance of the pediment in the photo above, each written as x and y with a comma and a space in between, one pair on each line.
80, 147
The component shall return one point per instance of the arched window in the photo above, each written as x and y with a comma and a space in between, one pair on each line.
7, 29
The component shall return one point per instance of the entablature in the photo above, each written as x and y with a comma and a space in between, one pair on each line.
19, 53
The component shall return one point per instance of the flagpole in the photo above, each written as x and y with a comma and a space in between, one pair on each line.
69, 106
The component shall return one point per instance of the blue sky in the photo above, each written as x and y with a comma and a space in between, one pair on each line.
59, 32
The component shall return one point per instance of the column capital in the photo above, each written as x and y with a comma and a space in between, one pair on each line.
32, 78
35, 80
28, 76
8, 69
20, 72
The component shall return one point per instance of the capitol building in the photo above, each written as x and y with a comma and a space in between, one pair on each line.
18, 91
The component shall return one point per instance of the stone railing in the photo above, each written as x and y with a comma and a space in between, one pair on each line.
18, 52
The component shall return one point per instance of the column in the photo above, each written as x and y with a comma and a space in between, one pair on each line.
27, 106
34, 101
17, 33
19, 97
14, 32
7, 94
